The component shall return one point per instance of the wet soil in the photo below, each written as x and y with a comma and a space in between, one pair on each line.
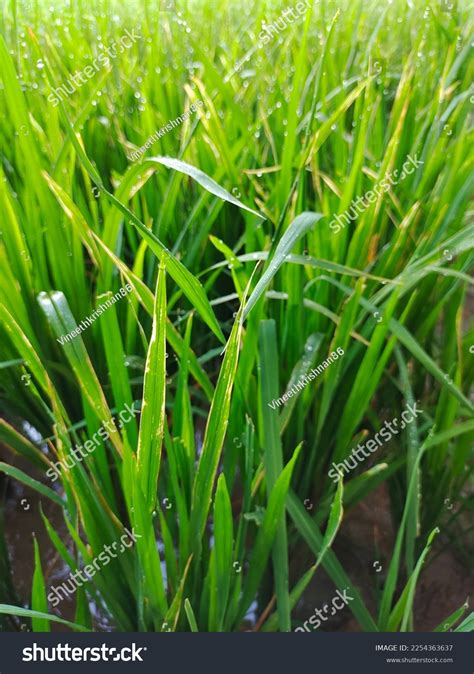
363, 546
22, 523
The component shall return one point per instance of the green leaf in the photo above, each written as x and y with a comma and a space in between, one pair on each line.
411, 433
392, 576
58, 543
315, 540
150, 437
467, 625
334, 522
147, 300
202, 178
59, 316
296, 230
273, 462
39, 603
214, 437
172, 617
190, 615
266, 534
221, 558
451, 620
184, 279
17, 443
271, 624
404, 606
188, 283
150, 562
6, 609
19, 475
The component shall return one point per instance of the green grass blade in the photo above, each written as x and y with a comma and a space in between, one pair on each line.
150, 438
190, 615
42, 489
266, 534
334, 522
296, 230
467, 625
313, 537
39, 603
273, 461
6, 609
214, 437
451, 620
204, 180
222, 555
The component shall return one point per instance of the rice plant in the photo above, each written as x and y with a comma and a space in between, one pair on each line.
234, 246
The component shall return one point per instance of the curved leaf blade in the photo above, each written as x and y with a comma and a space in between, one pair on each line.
203, 179
298, 228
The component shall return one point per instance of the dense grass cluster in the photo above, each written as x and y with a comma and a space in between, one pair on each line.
240, 287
